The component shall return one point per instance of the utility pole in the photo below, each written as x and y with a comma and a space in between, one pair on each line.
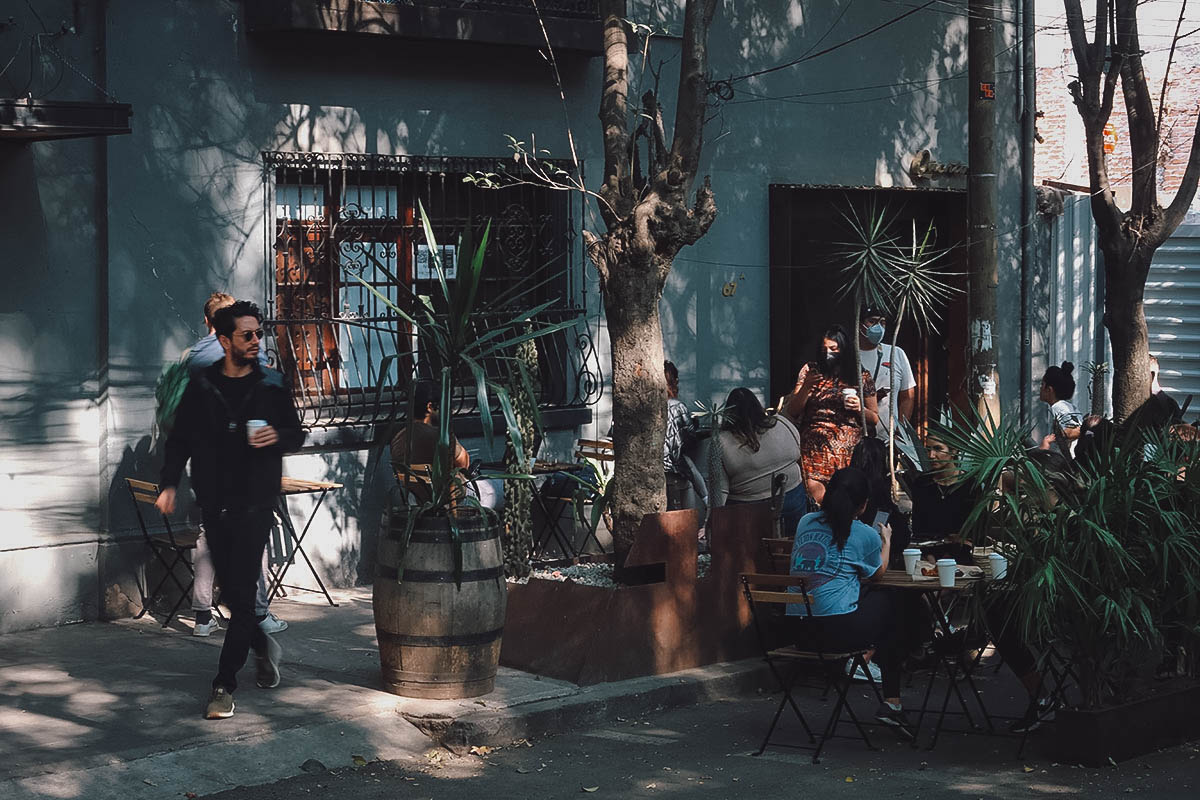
982, 194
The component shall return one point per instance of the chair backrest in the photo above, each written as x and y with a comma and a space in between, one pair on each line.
779, 554
761, 588
595, 449
146, 493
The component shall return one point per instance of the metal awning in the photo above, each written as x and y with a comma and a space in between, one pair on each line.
29, 120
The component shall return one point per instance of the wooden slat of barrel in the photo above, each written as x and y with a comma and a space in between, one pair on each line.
437, 641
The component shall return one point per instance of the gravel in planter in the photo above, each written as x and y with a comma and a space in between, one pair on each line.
595, 574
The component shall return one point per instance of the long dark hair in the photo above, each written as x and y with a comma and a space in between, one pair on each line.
847, 491
844, 368
745, 417
870, 456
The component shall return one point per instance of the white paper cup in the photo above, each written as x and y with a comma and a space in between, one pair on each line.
911, 557
253, 426
999, 565
946, 568
850, 392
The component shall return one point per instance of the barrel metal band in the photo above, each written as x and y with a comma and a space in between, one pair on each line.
450, 640
443, 537
442, 576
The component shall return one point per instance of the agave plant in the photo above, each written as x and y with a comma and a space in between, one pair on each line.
883, 270
457, 334
1105, 555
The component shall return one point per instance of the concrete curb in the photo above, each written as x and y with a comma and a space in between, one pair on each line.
593, 706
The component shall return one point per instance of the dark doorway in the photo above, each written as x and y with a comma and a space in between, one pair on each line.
806, 226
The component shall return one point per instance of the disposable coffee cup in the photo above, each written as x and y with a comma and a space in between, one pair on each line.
253, 426
946, 568
999, 565
850, 392
911, 557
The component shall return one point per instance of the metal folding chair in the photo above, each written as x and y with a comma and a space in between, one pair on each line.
173, 543
768, 596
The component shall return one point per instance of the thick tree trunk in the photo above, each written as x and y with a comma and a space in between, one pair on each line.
639, 403
1125, 318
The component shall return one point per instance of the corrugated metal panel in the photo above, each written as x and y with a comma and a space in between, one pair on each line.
1062, 303
1173, 313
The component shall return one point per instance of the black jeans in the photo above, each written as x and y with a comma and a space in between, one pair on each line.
873, 624
236, 539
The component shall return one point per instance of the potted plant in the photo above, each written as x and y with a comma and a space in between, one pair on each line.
439, 592
1105, 569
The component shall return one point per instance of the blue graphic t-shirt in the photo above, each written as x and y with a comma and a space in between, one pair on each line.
833, 575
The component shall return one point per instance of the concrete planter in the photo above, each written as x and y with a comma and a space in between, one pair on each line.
588, 635
1092, 737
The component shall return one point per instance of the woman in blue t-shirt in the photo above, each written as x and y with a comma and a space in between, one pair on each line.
836, 553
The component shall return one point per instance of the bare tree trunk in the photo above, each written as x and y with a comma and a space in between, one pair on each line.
1125, 318
648, 221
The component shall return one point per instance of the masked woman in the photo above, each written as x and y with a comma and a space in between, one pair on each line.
826, 405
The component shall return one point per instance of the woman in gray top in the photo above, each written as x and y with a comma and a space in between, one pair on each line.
755, 447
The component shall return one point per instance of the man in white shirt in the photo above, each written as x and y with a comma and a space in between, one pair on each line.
880, 360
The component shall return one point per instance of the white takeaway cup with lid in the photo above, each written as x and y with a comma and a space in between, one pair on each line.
912, 557
946, 568
999, 565
253, 426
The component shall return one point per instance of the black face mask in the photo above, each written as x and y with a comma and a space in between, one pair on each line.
829, 365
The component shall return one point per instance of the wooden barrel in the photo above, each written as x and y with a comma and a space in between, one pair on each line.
436, 640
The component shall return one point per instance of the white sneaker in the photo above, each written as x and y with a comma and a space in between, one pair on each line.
272, 624
205, 628
859, 675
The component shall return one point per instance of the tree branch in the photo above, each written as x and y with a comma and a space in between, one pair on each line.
693, 93
616, 189
1143, 143
1187, 186
1079, 42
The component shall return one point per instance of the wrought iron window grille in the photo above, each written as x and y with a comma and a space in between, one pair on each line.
332, 218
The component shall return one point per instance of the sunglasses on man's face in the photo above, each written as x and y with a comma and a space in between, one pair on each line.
248, 336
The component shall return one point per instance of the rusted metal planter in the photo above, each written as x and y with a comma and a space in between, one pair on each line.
589, 634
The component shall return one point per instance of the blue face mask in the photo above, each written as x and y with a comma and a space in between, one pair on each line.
874, 333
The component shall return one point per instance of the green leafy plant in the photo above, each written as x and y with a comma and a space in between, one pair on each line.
1104, 556
457, 335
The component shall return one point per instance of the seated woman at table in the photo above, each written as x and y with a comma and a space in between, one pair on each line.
755, 447
941, 504
837, 553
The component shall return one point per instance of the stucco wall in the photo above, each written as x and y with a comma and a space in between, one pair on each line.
125, 238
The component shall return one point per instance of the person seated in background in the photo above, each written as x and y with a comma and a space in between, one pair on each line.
679, 434
1058, 387
416, 443
836, 554
754, 449
942, 503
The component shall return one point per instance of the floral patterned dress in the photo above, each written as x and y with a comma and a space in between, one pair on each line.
829, 431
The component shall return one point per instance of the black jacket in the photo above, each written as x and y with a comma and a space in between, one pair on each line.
213, 436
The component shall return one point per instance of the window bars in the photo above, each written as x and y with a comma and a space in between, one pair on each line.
334, 218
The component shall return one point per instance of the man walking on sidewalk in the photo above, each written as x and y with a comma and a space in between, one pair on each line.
203, 354
236, 470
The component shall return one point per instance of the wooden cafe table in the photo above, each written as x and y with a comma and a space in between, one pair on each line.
294, 542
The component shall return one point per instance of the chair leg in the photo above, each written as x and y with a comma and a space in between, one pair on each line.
787, 699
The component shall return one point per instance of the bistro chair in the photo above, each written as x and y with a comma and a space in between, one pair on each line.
778, 553
170, 548
568, 486
769, 596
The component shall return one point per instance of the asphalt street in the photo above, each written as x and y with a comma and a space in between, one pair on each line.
706, 751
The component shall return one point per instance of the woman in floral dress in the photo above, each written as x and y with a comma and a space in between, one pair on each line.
828, 417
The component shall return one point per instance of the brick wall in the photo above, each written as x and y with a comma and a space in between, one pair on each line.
1061, 156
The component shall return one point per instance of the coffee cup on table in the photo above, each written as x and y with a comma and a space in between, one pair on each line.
912, 556
999, 565
253, 426
946, 568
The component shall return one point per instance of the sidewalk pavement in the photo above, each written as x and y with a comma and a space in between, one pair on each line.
114, 710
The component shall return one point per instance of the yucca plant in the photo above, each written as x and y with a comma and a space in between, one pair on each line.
1105, 555
457, 335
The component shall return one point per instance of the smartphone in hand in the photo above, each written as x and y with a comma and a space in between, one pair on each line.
881, 518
